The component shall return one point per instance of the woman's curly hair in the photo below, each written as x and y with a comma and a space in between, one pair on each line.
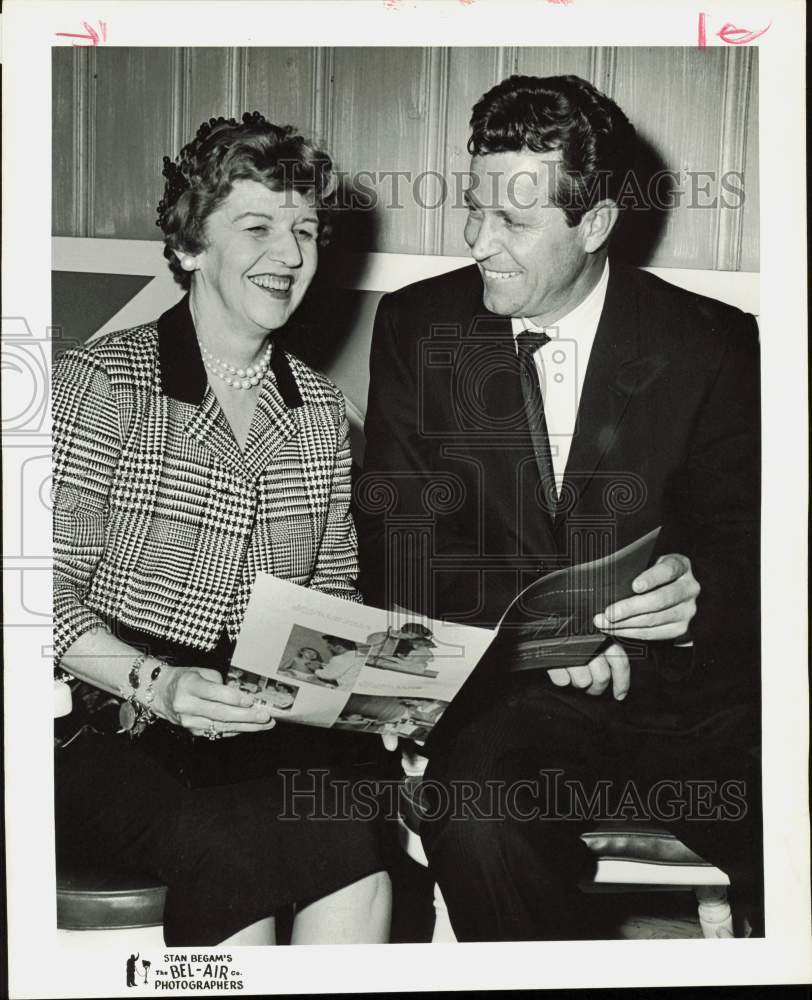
543, 114
222, 152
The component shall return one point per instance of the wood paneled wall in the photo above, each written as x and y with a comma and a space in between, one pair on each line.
117, 112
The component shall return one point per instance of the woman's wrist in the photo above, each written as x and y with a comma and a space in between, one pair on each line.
164, 691
136, 711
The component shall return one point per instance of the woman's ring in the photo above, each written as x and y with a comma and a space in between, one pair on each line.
213, 734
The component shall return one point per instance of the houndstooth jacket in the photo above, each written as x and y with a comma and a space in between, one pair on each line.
161, 522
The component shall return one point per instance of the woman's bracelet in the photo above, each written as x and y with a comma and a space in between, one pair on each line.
136, 714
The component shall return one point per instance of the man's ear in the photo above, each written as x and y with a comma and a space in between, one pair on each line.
597, 225
188, 261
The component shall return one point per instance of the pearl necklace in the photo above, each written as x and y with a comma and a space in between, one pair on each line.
237, 378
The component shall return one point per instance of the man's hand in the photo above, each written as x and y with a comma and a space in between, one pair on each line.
610, 665
663, 607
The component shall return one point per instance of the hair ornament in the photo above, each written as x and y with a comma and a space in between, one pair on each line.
176, 183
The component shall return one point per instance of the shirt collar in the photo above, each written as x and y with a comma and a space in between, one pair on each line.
584, 316
183, 376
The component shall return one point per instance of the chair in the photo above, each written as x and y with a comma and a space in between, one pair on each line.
630, 857
92, 900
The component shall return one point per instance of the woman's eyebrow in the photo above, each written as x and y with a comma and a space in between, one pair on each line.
245, 215
312, 219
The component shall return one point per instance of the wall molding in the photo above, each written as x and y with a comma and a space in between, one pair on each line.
79, 153
729, 237
322, 97
89, 143
179, 105
603, 67
235, 82
732, 154
435, 104
506, 62
369, 272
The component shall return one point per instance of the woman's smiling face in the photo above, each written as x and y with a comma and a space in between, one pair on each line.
260, 258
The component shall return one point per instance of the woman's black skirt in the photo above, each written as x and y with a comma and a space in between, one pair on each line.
238, 829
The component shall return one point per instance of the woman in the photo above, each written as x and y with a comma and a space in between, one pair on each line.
189, 454
279, 696
306, 661
304, 666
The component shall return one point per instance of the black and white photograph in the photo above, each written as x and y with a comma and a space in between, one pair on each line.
410, 318
409, 717
324, 660
264, 690
408, 649
539, 396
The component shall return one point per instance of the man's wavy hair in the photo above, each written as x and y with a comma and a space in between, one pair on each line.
222, 152
545, 114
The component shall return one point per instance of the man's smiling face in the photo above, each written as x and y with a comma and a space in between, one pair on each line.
532, 263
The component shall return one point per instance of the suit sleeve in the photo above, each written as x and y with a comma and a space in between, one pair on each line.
399, 485
336, 566
392, 451
86, 450
718, 509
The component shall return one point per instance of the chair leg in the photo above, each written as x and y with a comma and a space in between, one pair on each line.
443, 932
715, 917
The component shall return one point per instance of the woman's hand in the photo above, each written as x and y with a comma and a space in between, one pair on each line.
197, 699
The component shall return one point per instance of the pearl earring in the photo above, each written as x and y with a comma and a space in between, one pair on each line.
188, 263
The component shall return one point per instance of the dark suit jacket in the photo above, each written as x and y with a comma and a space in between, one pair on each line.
667, 434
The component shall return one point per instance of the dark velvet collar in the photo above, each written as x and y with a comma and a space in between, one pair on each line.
183, 376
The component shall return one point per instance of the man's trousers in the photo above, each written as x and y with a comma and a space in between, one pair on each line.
509, 792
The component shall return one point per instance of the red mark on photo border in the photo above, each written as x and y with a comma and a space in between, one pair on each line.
92, 35
703, 38
729, 33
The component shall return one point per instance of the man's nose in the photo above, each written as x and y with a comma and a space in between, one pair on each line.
482, 238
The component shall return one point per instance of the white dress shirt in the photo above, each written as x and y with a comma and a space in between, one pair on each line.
561, 367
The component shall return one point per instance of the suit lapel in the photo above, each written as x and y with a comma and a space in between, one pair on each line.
488, 374
207, 424
613, 373
183, 377
273, 425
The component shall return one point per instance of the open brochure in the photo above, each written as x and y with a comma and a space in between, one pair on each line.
322, 661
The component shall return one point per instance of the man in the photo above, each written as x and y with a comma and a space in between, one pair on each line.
407, 649
344, 665
543, 408
131, 970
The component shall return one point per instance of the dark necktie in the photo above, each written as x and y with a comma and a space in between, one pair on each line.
528, 342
